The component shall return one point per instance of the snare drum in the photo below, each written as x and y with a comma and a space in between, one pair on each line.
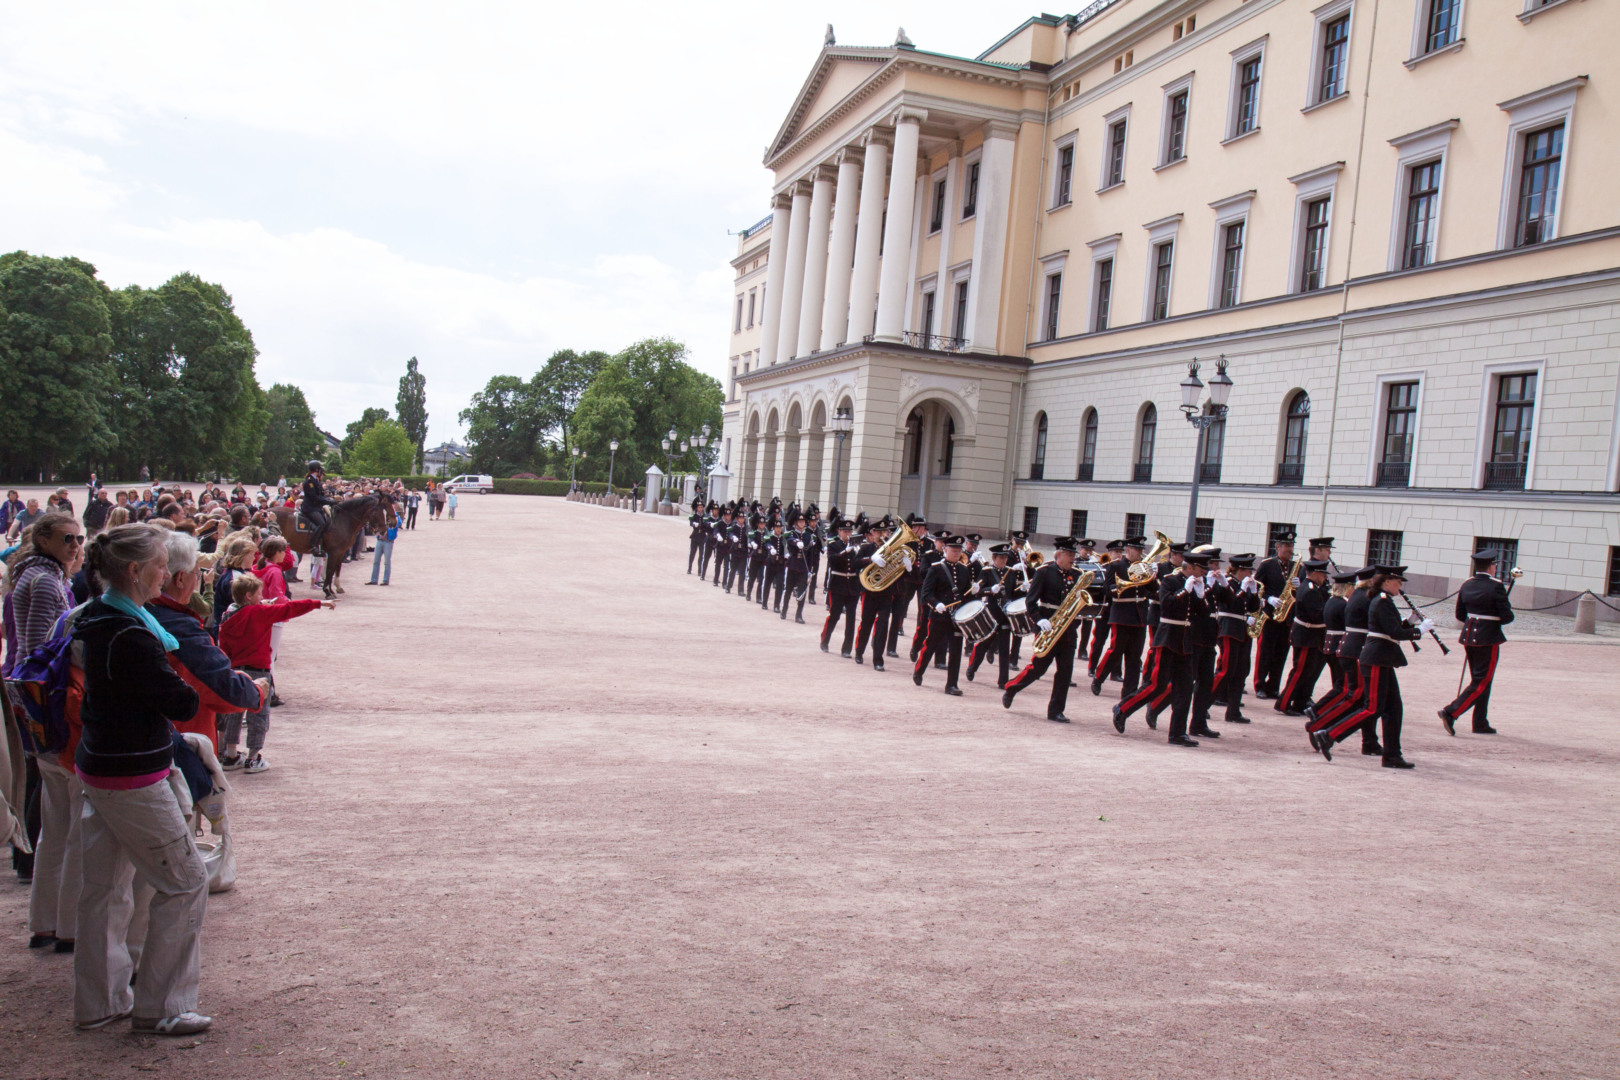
1019, 618
975, 620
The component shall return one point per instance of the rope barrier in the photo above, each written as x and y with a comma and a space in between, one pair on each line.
1526, 610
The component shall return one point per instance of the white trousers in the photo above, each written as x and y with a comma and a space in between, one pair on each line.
126, 833
53, 903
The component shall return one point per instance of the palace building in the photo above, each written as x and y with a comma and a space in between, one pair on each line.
1395, 220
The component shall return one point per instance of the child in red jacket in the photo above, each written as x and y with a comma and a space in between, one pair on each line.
244, 636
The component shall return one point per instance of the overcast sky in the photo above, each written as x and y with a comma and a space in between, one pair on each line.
474, 184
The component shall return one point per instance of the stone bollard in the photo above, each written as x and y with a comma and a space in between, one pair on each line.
1586, 614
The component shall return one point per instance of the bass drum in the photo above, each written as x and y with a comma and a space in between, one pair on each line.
1019, 618
975, 620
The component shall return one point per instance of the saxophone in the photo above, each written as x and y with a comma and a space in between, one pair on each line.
876, 578
1076, 601
1285, 603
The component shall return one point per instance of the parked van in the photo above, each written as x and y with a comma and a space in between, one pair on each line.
471, 482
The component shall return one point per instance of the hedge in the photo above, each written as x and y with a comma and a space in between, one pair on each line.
549, 487
419, 482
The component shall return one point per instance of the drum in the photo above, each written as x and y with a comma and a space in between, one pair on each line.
975, 620
1019, 618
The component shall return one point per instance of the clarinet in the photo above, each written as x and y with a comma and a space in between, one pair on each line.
1413, 607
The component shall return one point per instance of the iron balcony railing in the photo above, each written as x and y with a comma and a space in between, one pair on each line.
1504, 475
1084, 471
1290, 473
1142, 473
1394, 473
935, 342
1209, 473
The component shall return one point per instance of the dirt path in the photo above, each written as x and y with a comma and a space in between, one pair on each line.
549, 807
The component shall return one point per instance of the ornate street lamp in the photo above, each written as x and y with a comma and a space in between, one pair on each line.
843, 421
574, 452
1202, 418
613, 450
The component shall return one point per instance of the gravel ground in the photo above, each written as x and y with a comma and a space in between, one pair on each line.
549, 807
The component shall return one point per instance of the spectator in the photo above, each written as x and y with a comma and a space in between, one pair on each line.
384, 557
24, 518
412, 502
452, 501
9, 511
96, 512
244, 635
132, 822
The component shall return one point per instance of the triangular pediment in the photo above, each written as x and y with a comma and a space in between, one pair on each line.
839, 71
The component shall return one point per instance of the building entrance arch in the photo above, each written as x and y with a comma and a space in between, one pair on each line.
927, 460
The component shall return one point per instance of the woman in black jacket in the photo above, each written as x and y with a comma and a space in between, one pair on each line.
132, 822
1381, 655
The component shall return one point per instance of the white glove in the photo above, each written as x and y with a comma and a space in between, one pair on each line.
1045, 625
1219, 578
1274, 601
995, 590
1426, 626
907, 560
1191, 586
752, 545
1199, 587
1253, 620
877, 559
975, 590
1250, 585
799, 544
939, 609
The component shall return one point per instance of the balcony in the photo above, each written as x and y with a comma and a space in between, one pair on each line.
1290, 473
1142, 473
1504, 475
1084, 471
1037, 471
934, 342
1209, 473
1394, 473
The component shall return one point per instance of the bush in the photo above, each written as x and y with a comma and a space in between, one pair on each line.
549, 487
418, 482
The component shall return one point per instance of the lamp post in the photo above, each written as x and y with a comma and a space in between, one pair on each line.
663, 496
703, 461
1202, 419
843, 421
572, 464
613, 450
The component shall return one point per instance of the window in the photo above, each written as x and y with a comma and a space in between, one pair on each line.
1296, 427
1175, 128
1231, 262
1442, 25
1105, 292
1088, 446
1115, 173
959, 318
733, 394
1400, 427
1063, 192
1032, 519
914, 440
737, 326
950, 447
753, 294
1313, 256
1614, 572
1511, 433
1143, 473
1509, 552
1214, 439
1335, 52
1538, 185
1246, 100
936, 220
1135, 525
1277, 530
1037, 459
970, 199
1162, 256
1422, 214
927, 326
1054, 293
1384, 547
762, 305
1077, 524
1203, 531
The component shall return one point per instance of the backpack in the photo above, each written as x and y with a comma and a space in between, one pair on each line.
37, 694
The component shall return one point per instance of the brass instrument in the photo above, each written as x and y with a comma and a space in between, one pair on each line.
1077, 600
876, 578
1285, 603
1145, 571
1513, 579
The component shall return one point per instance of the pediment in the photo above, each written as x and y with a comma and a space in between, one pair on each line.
839, 72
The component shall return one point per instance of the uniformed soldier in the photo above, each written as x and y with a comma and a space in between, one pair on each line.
313, 506
908, 586
1205, 638
1128, 621
1483, 608
757, 557
1327, 713
1344, 583
998, 583
815, 543
737, 570
950, 582
1381, 657
1047, 588
1237, 603
932, 552
876, 604
1308, 637
970, 551
843, 586
1102, 594
694, 521
1093, 611
711, 522
796, 577
771, 589
1272, 573
1182, 596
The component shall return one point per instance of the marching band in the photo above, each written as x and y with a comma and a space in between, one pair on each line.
1179, 627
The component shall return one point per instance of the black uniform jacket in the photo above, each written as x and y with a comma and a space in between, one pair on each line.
1130, 607
1483, 602
1011, 581
1177, 611
697, 521
776, 549
1333, 615
1272, 573
1385, 632
843, 567
797, 545
1047, 588
1355, 624
756, 547
947, 583
1234, 606
1205, 626
314, 494
1310, 623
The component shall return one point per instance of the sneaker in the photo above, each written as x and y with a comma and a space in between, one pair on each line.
232, 762
187, 1023
256, 764
96, 1025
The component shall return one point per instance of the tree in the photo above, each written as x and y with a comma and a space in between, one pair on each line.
505, 425
291, 439
384, 450
358, 428
412, 408
636, 397
559, 387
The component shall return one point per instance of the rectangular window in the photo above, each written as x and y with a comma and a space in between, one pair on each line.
1054, 292
1384, 547
762, 305
927, 313
1422, 214
1313, 253
936, 220
1278, 530
1077, 524
737, 327
1335, 53
1065, 177
1510, 435
1116, 153
959, 320
1509, 549
1135, 525
1442, 25
1203, 531
1105, 293
1209, 463
1231, 262
1175, 135
1162, 255
1032, 519
970, 199
1614, 571
1246, 116
1538, 185
1400, 427
733, 396
753, 294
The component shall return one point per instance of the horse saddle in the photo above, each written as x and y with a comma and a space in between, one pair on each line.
302, 524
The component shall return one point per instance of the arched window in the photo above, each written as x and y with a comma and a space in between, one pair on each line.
914, 428
1296, 428
1144, 445
1088, 446
950, 446
1037, 462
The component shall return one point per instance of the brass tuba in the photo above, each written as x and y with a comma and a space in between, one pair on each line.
876, 578
1077, 600
1145, 571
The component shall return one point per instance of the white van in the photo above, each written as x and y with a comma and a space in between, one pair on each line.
471, 482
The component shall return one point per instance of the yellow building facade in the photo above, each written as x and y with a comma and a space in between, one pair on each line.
1393, 219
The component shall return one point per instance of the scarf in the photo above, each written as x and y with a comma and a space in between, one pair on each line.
128, 607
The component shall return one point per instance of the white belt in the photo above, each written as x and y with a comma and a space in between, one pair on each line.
1310, 625
1228, 615
1488, 618
1381, 637
1044, 604
842, 573
1130, 599
1174, 622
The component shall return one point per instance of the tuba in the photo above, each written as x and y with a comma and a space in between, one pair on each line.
876, 578
1078, 598
1145, 571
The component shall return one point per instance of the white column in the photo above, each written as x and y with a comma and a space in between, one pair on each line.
815, 261
892, 284
990, 237
787, 331
863, 283
775, 262
835, 310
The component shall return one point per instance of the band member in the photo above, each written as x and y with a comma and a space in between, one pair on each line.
1127, 621
1205, 638
1102, 595
1333, 615
1237, 602
1089, 615
776, 543
933, 552
1047, 588
970, 551
757, 556
1181, 598
1307, 638
998, 583
711, 522
909, 585
1272, 573
950, 582
815, 544
1381, 657
694, 546
796, 573
843, 586
876, 604
737, 564
1483, 608
1327, 713
314, 504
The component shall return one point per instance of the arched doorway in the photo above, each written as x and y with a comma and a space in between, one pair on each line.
768, 458
815, 450
790, 452
926, 460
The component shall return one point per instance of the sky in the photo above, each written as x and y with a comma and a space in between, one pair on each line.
473, 184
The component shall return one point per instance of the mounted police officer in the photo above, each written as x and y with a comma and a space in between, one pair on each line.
314, 504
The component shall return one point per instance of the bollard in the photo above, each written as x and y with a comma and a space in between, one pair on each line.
1586, 614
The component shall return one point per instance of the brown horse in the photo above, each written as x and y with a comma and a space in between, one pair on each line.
348, 518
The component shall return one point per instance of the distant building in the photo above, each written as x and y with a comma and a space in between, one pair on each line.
446, 459
329, 441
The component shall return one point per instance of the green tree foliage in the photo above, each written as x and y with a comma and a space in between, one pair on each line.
384, 450
291, 439
505, 425
358, 428
559, 387
637, 397
55, 376
412, 407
